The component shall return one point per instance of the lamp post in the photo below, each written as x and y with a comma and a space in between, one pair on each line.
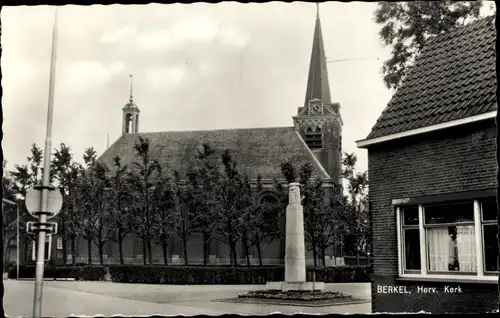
45, 194
17, 233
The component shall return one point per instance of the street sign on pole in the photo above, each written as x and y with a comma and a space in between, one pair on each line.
54, 202
34, 227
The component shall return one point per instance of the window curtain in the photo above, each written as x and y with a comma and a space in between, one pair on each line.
438, 249
466, 248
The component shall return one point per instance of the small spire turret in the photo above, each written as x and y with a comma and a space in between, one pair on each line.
130, 113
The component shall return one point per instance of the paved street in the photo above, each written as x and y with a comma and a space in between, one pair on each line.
92, 298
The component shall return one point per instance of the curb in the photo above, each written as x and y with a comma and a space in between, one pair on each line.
47, 279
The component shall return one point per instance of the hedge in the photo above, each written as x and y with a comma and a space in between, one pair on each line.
90, 273
160, 274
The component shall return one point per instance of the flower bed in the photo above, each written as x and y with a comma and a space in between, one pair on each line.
294, 295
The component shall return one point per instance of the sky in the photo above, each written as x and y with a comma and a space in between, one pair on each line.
195, 67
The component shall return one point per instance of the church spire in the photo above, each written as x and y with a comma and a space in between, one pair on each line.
318, 86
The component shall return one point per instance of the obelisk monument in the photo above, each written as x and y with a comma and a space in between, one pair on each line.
295, 253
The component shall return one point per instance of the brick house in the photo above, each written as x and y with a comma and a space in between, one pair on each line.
314, 136
433, 180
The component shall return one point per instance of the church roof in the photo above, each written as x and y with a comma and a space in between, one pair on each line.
317, 82
256, 151
454, 77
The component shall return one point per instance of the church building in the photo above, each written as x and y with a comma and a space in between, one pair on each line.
314, 136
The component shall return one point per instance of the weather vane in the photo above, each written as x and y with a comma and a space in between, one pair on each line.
131, 83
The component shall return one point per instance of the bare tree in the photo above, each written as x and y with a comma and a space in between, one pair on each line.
65, 171
95, 196
120, 218
204, 182
231, 221
165, 215
142, 176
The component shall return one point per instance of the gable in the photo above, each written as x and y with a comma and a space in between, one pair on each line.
256, 151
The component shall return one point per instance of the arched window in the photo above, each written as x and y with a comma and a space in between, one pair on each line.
268, 199
314, 138
128, 123
270, 210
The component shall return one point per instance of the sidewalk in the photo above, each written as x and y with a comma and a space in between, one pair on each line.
91, 298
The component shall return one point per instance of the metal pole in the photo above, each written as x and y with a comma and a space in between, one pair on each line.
17, 244
40, 256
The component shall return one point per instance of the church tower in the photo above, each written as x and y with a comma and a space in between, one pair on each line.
130, 123
318, 121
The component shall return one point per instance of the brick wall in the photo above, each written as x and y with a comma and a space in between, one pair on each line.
455, 160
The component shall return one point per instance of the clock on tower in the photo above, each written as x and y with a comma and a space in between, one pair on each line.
316, 107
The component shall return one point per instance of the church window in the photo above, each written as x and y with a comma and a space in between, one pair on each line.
314, 138
270, 210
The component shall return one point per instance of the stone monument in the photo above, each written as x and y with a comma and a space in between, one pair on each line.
295, 253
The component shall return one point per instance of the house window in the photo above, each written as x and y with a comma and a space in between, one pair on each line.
314, 138
411, 239
489, 211
59, 243
449, 239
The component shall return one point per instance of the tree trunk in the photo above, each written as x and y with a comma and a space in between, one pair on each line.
150, 252
89, 251
314, 254
357, 257
247, 249
165, 256
232, 246
101, 252
64, 249
73, 251
144, 252
184, 246
235, 253
206, 239
341, 245
259, 250
64, 235
120, 249
25, 248
5, 257
323, 256
282, 250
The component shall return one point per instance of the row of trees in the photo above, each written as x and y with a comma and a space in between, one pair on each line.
214, 198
